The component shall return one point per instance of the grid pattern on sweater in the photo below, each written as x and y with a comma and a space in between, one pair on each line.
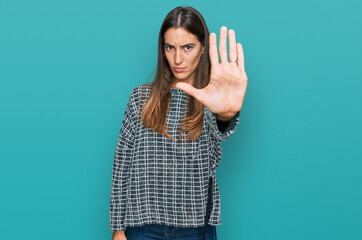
156, 180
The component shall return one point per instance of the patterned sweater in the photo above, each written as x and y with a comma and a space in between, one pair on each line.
159, 181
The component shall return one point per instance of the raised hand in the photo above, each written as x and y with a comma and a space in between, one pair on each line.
225, 93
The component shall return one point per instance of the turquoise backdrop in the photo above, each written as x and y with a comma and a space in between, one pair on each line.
291, 171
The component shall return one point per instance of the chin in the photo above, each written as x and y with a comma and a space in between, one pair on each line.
180, 76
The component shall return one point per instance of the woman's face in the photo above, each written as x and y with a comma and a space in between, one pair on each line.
183, 52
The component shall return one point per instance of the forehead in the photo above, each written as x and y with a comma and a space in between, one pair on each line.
179, 36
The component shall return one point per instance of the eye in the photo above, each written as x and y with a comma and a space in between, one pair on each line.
168, 47
189, 48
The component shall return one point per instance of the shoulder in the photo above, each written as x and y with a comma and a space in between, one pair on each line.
140, 89
139, 95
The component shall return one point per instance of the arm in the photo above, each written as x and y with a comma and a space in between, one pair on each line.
119, 235
224, 95
214, 128
222, 125
120, 174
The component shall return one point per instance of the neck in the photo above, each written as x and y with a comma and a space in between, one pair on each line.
176, 81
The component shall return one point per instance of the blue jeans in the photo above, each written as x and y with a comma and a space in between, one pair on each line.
163, 232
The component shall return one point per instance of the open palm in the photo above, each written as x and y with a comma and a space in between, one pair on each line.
225, 93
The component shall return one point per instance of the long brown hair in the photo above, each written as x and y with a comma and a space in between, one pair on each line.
154, 112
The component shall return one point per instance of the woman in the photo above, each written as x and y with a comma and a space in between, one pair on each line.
169, 146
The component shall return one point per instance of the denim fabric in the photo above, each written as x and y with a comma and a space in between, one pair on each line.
163, 232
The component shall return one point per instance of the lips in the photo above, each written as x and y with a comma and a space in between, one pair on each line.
178, 69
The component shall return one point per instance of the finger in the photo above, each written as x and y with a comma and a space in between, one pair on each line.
232, 45
222, 44
196, 93
214, 58
240, 57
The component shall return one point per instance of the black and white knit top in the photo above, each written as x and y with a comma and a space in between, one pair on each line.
156, 180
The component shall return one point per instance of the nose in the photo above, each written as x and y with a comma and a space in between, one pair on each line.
178, 57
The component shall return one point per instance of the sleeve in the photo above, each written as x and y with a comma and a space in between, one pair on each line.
120, 173
222, 125
215, 131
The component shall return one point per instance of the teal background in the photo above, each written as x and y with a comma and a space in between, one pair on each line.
292, 170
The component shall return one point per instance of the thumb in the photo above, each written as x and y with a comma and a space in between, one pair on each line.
188, 88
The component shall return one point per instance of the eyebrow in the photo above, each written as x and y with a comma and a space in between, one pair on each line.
193, 44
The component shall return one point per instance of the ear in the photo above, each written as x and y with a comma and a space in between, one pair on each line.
202, 49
